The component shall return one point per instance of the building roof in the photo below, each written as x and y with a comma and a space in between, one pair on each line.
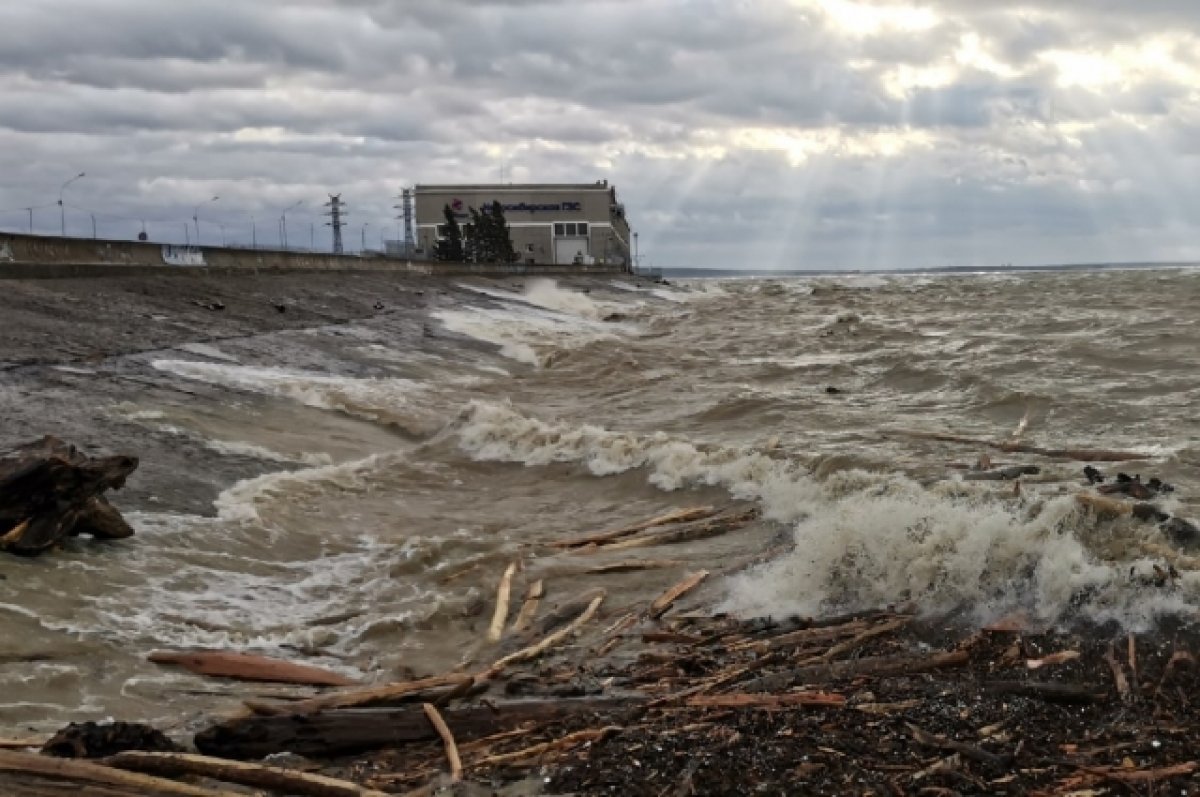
599, 185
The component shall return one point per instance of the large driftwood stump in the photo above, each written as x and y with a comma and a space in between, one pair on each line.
49, 490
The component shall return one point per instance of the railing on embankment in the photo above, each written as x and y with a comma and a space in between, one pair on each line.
24, 256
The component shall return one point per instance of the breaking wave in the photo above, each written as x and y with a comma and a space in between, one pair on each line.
864, 539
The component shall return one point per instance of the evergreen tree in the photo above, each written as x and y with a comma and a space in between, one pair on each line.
449, 246
475, 239
501, 236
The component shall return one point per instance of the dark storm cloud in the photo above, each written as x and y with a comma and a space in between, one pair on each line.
769, 133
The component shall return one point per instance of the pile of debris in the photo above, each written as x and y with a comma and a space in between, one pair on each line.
661, 703
656, 699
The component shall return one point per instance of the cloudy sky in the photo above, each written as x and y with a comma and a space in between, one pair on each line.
740, 133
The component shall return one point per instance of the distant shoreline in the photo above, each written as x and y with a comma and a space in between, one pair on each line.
722, 273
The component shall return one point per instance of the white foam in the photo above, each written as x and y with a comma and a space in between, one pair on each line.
526, 335
243, 449
240, 502
865, 539
204, 350
386, 399
546, 293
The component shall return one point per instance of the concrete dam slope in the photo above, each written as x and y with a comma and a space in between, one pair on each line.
34, 256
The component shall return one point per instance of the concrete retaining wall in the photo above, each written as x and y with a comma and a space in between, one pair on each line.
26, 256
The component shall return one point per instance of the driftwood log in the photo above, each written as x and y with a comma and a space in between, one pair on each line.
49, 490
249, 667
349, 731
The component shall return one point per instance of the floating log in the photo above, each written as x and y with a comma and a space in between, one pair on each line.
350, 731
279, 779
689, 532
503, 595
247, 667
533, 598
552, 620
533, 651
50, 491
600, 538
664, 602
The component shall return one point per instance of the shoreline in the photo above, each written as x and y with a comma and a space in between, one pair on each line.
73, 347
714, 705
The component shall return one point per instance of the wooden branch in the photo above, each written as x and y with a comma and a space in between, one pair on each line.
788, 699
349, 731
876, 666
538, 751
1133, 666
1118, 675
503, 594
22, 744
962, 748
533, 598
632, 566
800, 637
257, 775
674, 516
1050, 692
247, 667
880, 630
86, 772
439, 724
562, 613
690, 532
533, 651
665, 601
374, 695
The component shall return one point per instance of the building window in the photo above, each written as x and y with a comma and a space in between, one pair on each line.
570, 229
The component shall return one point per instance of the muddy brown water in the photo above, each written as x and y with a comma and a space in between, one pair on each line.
345, 487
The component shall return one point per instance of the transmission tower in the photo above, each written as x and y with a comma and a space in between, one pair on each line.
406, 217
337, 220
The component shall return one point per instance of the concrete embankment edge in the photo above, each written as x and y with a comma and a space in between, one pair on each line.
36, 257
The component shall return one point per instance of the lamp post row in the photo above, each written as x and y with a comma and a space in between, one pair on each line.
187, 231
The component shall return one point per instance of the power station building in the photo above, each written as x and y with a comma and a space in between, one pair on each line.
559, 223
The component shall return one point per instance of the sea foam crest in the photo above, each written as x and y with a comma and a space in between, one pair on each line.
388, 400
863, 540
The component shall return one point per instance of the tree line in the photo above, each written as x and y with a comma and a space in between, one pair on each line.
486, 238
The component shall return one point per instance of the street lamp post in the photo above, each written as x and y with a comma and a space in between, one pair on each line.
363, 248
636, 260
30, 220
253, 233
62, 209
283, 224
196, 217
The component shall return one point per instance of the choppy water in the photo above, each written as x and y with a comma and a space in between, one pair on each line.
401, 480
